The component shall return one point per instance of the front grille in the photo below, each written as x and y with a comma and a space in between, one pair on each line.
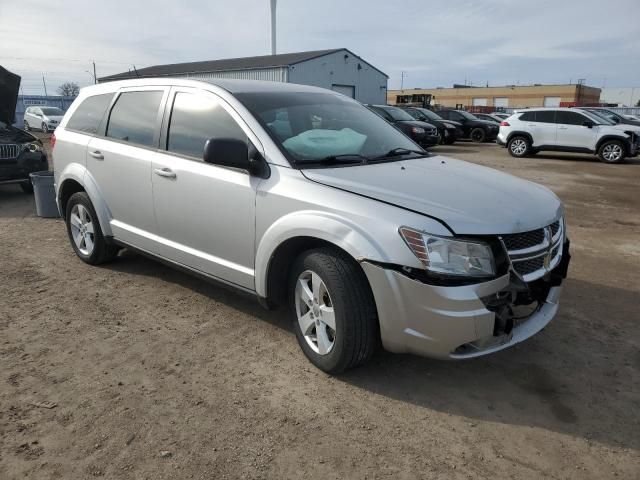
9, 151
534, 253
519, 241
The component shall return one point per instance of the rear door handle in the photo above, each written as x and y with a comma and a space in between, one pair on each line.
165, 172
97, 154
562, 128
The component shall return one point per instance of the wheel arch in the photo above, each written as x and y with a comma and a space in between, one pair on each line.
625, 142
520, 133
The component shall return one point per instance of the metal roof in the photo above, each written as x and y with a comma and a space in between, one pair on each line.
243, 63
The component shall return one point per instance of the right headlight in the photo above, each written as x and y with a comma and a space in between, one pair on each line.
450, 256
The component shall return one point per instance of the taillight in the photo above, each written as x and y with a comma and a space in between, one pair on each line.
504, 123
53, 140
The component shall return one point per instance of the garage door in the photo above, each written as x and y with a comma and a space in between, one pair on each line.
500, 102
348, 90
479, 102
551, 101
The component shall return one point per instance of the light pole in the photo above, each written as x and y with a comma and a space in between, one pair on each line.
273, 26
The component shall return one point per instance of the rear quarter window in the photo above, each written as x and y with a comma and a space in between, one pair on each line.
88, 115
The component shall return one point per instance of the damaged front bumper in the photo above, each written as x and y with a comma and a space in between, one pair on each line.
458, 322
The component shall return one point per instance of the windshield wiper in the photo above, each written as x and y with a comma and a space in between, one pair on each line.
338, 159
396, 152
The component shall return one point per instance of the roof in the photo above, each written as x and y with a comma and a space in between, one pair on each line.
243, 63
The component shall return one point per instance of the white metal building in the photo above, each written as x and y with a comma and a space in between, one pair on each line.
338, 69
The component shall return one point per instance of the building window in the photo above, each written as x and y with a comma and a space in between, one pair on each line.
479, 102
551, 102
500, 102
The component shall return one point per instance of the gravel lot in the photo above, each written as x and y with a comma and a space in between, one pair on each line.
141, 359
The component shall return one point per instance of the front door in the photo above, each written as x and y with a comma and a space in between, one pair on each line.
120, 163
572, 131
205, 213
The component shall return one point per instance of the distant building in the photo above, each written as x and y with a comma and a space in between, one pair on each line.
338, 69
509, 96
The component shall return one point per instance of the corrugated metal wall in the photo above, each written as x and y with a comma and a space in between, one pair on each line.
275, 74
342, 68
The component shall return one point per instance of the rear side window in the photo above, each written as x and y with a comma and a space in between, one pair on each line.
194, 120
528, 117
88, 115
570, 118
546, 116
133, 117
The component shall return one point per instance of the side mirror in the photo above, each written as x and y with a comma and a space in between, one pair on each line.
587, 123
231, 152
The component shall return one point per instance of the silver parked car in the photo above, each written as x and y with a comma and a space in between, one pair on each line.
307, 200
42, 118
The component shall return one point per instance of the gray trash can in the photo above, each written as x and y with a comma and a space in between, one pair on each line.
45, 194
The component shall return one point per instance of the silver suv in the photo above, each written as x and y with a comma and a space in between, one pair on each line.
306, 199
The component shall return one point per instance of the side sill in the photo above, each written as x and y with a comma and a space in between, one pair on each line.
184, 268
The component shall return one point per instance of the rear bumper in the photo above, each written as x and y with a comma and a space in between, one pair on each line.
449, 322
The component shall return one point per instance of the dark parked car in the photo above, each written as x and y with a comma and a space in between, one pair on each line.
20, 152
472, 127
489, 117
424, 134
611, 115
448, 131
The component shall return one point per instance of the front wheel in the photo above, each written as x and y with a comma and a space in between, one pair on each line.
611, 151
85, 233
334, 314
478, 135
519, 146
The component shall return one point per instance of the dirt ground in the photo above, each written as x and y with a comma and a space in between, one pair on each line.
157, 375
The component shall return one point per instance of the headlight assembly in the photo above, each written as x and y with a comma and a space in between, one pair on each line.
450, 256
32, 147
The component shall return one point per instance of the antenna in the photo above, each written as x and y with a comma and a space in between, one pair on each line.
273, 26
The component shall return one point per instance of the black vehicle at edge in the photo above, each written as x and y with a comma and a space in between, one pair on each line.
424, 134
448, 130
473, 128
20, 152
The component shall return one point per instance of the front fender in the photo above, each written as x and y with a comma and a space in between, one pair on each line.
318, 224
79, 173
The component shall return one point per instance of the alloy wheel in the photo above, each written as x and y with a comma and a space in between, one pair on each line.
82, 229
45, 129
518, 147
612, 152
315, 313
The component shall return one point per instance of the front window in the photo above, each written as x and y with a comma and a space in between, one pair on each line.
310, 127
52, 111
398, 114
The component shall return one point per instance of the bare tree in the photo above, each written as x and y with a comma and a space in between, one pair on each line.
69, 89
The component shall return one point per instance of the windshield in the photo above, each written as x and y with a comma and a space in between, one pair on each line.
398, 114
429, 114
598, 118
310, 127
52, 111
467, 115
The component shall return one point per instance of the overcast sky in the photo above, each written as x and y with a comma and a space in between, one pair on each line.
436, 43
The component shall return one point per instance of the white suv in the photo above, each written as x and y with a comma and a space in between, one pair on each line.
567, 130
42, 118
304, 198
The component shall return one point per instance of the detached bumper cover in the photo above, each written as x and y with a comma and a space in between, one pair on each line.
449, 322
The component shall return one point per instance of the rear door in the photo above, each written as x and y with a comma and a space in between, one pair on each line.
205, 212
572, 131
120, 162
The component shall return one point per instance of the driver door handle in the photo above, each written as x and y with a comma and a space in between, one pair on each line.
165, 172
97, 154
562, 128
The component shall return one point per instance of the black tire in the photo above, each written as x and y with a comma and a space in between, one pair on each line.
26, 187
519, 146
449, 140
356, 334
478, 135
102, 251
441, 137
612, 151
44, 128
27, 128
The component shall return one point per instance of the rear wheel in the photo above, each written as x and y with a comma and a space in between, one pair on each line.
611, 151
333, 311
478, 135
519, 146
85, 233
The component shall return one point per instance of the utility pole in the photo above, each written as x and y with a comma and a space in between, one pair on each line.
402, 75
45, 87
273, 26
95, 78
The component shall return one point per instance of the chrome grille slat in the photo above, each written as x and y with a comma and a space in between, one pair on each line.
9, 151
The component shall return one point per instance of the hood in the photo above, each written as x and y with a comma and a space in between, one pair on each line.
625, 127
469, 198
57, 118
10, 134
9, 86
416, 123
